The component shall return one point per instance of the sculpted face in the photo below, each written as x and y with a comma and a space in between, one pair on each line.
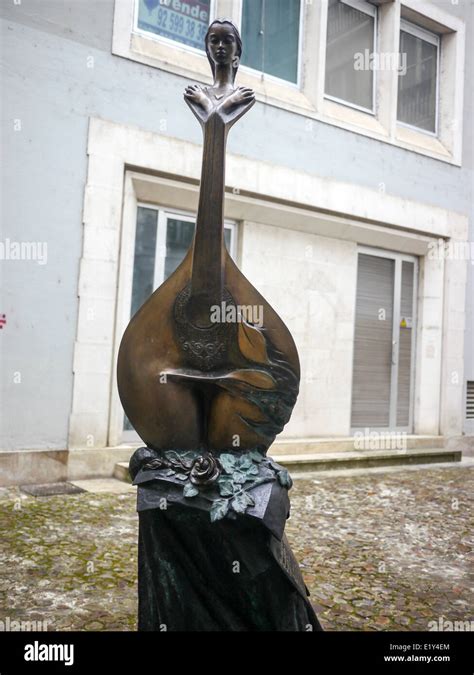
222, 45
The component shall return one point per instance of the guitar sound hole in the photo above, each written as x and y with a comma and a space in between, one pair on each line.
204, 343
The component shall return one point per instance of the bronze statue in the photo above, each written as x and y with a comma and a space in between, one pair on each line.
208, 398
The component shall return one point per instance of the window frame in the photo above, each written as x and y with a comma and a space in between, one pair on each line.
370, 10
434, 39
163, 214
299, 66
168, 41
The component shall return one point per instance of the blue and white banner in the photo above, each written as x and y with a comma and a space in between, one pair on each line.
184, 21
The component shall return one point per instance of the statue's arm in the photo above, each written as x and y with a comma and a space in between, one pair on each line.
230, 110
237, 104
198, 101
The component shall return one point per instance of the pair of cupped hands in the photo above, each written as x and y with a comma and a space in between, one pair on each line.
239, 97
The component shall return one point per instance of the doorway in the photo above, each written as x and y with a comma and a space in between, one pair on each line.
384, 341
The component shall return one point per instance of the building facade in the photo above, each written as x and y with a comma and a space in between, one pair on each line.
349, 207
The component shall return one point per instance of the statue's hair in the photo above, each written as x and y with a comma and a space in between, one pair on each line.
238, 40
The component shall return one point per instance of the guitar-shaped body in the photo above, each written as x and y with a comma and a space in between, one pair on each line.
227, 385
193, 371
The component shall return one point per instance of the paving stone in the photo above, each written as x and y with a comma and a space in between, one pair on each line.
378, 551
415, 557
49, 489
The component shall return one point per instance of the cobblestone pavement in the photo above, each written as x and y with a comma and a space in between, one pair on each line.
379, 551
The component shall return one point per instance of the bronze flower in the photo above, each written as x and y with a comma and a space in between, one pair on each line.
155, 464
205, 470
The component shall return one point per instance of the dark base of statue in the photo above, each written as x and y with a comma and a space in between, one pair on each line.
233, 571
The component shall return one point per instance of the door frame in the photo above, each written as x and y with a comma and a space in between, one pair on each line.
398, 258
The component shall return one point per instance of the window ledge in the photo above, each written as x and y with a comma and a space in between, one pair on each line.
196, 67
352, 119
173, 59
411, 139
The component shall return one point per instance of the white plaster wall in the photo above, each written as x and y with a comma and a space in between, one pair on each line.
310, 281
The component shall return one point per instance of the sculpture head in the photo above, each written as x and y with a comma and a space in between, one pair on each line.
223, 45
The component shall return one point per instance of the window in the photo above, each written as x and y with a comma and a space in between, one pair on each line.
271, 37
418, 78
184, 21
162, 239
351, 32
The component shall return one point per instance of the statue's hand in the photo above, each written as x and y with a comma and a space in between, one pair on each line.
241, 96
195, 95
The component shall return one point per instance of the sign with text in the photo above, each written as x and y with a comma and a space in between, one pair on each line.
184, 21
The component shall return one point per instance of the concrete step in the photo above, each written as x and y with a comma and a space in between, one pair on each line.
121, 472
325, 461
364, 459
386, 441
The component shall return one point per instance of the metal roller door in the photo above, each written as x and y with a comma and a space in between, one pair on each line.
382, 381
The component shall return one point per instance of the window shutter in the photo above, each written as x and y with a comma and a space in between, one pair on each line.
373, 342
470, 400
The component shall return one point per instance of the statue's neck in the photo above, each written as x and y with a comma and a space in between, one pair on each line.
207, 278
223, 78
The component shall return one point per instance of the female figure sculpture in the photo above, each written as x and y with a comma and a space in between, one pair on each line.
208, 398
